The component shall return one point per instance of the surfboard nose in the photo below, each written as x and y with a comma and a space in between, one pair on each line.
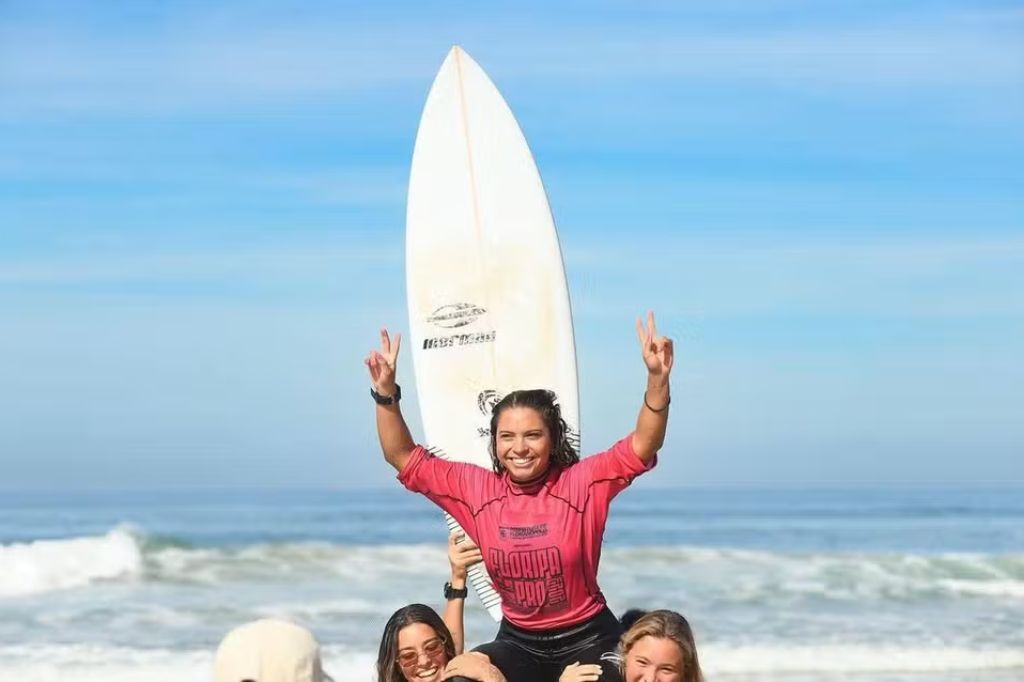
458, 55
455, 53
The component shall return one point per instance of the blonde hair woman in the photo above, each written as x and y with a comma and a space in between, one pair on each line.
659, 647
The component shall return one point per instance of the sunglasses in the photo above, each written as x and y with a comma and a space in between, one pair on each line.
434, 649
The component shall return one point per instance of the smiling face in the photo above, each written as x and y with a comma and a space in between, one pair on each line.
523, 443
421, 653
654, 659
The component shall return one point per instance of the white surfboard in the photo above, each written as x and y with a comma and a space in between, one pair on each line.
488, 302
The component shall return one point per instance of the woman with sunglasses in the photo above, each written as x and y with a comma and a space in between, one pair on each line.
539, 514
420, 646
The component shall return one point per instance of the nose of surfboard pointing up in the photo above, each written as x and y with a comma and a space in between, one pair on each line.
456, 53
459, 65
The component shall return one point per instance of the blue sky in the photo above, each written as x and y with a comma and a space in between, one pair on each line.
202, 214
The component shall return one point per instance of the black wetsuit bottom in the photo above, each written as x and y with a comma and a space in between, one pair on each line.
541, 655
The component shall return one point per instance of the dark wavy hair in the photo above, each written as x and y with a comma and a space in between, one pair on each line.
665, 624
388, 669
544, 402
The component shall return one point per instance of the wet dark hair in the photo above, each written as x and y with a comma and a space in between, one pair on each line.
631, 616
544, 402
388, 669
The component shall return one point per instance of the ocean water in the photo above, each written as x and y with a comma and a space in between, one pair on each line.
884, 586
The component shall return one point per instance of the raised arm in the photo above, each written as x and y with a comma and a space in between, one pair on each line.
395, 439
649, 435
462, 553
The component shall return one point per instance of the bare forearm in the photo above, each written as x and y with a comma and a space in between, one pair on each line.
454, 616
395, 440
652, 421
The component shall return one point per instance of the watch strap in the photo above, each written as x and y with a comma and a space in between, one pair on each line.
455, 593
386, 399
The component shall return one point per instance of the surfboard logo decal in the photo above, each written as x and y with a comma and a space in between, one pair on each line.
456, 340
454, 315
573, 436
486, 401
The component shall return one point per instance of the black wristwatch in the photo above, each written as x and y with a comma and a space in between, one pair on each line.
386, 399
452, 593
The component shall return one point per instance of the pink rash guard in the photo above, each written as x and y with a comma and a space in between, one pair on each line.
541, 543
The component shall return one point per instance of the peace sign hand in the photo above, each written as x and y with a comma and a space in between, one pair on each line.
382, 363
656, 350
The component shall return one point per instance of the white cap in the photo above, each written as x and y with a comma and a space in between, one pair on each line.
269, 650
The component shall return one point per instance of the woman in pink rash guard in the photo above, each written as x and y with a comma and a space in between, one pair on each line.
538, 516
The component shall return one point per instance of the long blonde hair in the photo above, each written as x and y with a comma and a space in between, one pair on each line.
665, 624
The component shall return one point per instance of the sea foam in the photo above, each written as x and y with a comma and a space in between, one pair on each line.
93, 663
48, 565
83, 663
854, 658
757, 576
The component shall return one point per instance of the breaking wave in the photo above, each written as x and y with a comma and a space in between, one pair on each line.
49, 565
127, 554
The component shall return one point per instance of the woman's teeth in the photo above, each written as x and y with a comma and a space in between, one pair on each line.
427, 673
